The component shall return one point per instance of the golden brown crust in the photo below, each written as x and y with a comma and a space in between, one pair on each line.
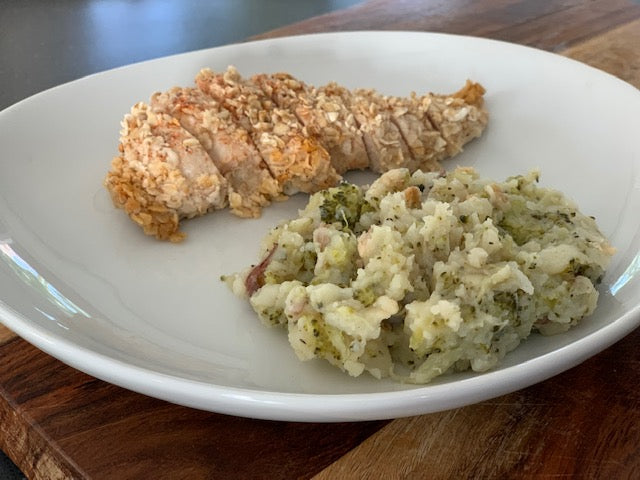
472, 93
251, 185
128, 192
296, 160
383, 140
162, 174
323, 114
459, 117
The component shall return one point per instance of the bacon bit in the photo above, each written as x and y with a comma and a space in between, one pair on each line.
412, 197
496, 196
322, 237
255, 279
542, 321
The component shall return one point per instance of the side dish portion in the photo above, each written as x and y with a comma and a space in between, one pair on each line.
245, 142
426, 273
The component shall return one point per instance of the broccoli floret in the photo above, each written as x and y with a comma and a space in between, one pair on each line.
366, 296
342, 204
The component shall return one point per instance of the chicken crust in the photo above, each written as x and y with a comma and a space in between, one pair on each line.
245, 142
251, 185
296, 160
162, 174
324, 115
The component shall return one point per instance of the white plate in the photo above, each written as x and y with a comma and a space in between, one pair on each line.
81, 282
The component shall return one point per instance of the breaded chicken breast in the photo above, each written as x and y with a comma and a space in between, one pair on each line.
245, 142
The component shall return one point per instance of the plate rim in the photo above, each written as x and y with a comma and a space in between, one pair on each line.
278, 406
288, 406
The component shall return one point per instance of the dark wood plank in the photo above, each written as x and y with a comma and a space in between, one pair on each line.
59, 422
6, 335
550, 25
584, 423
616, 51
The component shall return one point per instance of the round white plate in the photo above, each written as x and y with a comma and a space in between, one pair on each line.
80, 281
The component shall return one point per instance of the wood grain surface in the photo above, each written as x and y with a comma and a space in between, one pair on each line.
615, 51
56, 422
552, 25
584, 423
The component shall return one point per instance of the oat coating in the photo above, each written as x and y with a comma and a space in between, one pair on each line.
246, 142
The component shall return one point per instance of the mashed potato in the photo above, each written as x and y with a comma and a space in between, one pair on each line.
420, 275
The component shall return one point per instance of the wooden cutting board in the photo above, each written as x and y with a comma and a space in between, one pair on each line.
59, 423
56, 422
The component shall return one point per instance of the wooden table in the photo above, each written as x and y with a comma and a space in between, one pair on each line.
56, 422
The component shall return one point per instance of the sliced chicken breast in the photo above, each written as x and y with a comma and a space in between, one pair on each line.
247, 142
323, 114
296, 159
382, 138
251, 185
163, 174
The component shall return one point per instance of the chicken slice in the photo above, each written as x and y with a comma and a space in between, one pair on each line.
251, 185
296, 160
163, 174
382, 138
435, 127
426, 143
323, 115
459, 117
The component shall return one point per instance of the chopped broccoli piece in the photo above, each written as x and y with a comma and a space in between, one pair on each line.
342, 204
